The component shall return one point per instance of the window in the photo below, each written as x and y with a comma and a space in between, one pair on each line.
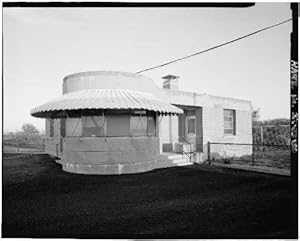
229, 122
151, 126
74, 126
138, 125
118, 125
191, 125
51, 125
92, 126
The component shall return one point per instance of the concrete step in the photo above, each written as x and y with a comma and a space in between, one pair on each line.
175, 159
184, 164
172, 156
181, 160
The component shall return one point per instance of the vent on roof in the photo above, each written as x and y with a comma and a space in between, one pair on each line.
171, 82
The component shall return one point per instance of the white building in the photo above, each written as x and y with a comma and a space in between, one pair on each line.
115, 122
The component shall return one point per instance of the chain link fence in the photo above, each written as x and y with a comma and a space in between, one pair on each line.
271, 148
270, 156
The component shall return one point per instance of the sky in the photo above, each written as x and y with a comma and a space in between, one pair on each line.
42, 45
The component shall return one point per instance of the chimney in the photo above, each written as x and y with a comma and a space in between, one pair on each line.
171, 82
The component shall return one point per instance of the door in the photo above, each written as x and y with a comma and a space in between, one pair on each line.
190, 127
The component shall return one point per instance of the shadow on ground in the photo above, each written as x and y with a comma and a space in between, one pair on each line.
40, 200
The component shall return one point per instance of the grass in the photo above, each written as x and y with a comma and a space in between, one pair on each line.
9, 149
40, 200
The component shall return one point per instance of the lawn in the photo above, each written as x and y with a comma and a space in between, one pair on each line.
199, 201
10, 149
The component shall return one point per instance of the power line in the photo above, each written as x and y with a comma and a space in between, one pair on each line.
215, 47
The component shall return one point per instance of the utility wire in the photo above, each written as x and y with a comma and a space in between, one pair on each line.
215, 47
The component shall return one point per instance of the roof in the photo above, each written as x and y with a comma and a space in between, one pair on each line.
106, 99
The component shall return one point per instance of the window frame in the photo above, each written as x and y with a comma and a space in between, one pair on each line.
233, 122
139, 120
83, 121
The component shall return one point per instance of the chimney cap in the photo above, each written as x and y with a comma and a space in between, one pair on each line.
170, 76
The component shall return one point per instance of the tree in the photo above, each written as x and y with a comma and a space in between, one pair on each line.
255, 116
29, 129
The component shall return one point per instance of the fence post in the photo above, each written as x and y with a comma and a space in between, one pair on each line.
208, 153
253, 148
262, 134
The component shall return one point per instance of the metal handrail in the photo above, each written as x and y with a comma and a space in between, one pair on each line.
188, 154
186, 141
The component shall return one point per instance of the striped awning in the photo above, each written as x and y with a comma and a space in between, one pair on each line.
105, 99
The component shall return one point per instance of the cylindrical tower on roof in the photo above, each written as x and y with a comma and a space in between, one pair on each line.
109, 80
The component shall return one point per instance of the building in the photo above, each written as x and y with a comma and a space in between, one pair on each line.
115, 122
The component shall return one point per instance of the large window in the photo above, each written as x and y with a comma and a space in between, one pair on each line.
229, 122
151, 127
74, 127
139, 123
142, 124
93, 126
118, 125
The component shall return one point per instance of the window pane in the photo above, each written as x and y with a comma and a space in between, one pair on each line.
51, 123
118, 125
228, 118
93, 126
229, 122
74, 127
228, 112
228, 125
190, 113
63, 127
191, 126
151, 126
138, 125
228, 131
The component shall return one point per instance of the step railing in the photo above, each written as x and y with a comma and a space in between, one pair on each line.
189, 153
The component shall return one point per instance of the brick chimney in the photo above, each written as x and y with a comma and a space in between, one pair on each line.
171, 82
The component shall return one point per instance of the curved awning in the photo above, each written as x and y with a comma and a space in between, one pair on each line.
105, 99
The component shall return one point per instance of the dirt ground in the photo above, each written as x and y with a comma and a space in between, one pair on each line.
199, 201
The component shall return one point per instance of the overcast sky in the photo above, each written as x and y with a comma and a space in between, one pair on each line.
42, 45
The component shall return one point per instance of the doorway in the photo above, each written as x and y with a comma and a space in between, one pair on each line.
190, 127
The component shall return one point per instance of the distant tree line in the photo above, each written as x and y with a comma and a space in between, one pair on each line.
270, 132
29, 136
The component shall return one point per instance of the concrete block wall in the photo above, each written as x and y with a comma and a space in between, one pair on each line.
213, 131
213, 119
111, 155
